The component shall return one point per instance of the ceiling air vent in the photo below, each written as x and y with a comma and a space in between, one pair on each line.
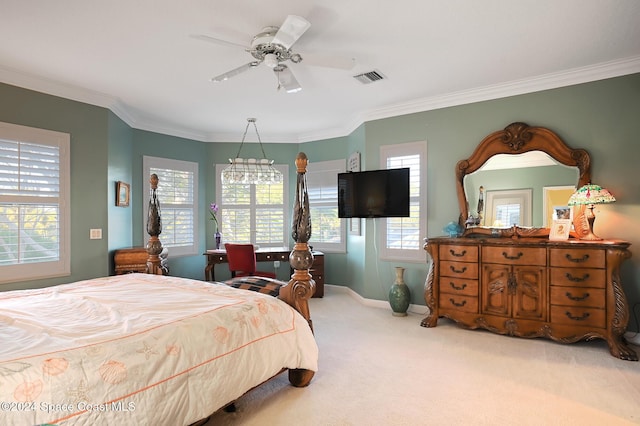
369, 77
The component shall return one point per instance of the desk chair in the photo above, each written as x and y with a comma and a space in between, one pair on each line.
242, 261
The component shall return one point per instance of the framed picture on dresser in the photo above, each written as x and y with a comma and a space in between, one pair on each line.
560, 229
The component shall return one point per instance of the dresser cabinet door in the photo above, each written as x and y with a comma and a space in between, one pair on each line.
515, 285
496, 280
529, 300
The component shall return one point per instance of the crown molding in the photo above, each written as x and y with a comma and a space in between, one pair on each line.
517, 87
571, 77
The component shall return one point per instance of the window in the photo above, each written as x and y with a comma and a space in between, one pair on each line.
255, 214
328, 231
402, 237
34, 203
178, 196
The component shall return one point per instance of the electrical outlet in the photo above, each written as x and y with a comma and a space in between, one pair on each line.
276, 264
95, 234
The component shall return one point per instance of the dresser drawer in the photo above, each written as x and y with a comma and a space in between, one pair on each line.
459, 269
459, 253
515, 255
589, 317
577, 258
465, 287
459, 303
578, 277
576, 296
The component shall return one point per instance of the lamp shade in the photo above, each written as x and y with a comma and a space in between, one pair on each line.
591, 194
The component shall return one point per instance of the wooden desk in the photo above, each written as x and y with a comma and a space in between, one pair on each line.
270, 254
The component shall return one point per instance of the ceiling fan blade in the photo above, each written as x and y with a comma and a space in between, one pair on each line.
290, 31
329, 61
286, 79
218, 41
227, 75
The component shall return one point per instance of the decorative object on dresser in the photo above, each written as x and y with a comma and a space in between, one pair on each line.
590, 195
518, 282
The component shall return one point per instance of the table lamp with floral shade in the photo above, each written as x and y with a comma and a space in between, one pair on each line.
589, 195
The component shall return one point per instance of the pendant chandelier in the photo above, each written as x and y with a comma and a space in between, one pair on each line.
250, 170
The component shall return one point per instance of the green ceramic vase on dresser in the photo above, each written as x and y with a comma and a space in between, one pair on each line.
399, 294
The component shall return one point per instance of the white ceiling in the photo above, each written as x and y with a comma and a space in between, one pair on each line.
137, 57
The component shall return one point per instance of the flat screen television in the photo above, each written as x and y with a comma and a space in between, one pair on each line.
374, 193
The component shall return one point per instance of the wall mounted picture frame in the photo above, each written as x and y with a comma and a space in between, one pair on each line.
560, 229
123, 191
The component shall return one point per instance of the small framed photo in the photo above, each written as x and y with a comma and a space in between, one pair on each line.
122, 194
560, 229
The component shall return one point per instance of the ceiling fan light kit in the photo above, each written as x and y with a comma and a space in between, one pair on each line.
272, 47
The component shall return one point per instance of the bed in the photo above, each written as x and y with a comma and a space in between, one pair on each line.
151, 348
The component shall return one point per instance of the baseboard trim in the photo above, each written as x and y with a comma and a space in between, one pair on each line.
381, 304
631, 336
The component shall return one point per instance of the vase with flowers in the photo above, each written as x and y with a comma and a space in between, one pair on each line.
213, 210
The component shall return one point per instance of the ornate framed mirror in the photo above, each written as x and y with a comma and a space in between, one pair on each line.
512, 143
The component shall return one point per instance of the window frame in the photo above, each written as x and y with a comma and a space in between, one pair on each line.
149, 162
284, 169
398, 150
325, 167
62, 266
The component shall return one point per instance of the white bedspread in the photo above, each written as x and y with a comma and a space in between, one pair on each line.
140, 350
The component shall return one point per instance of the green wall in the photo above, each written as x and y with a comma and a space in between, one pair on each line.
89, 128
598, 116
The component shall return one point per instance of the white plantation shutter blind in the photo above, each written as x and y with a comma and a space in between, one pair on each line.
177, 193
403, 232
34, 191
403, 236
328, 231
254, 214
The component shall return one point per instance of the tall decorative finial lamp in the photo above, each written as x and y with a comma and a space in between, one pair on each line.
589, 195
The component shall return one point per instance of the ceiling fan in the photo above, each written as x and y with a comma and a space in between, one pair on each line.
272, 47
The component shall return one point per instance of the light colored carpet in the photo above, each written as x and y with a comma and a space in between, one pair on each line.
377, 369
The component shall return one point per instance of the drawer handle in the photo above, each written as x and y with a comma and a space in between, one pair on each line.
577, 298
576, 259
516, 257
453, 253
462, 287
459, 305
458, 271
580, 318
576, 279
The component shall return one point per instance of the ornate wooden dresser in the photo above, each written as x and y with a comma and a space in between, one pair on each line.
531, 287
516, 280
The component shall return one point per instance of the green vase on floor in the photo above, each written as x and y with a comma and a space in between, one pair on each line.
399, 294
